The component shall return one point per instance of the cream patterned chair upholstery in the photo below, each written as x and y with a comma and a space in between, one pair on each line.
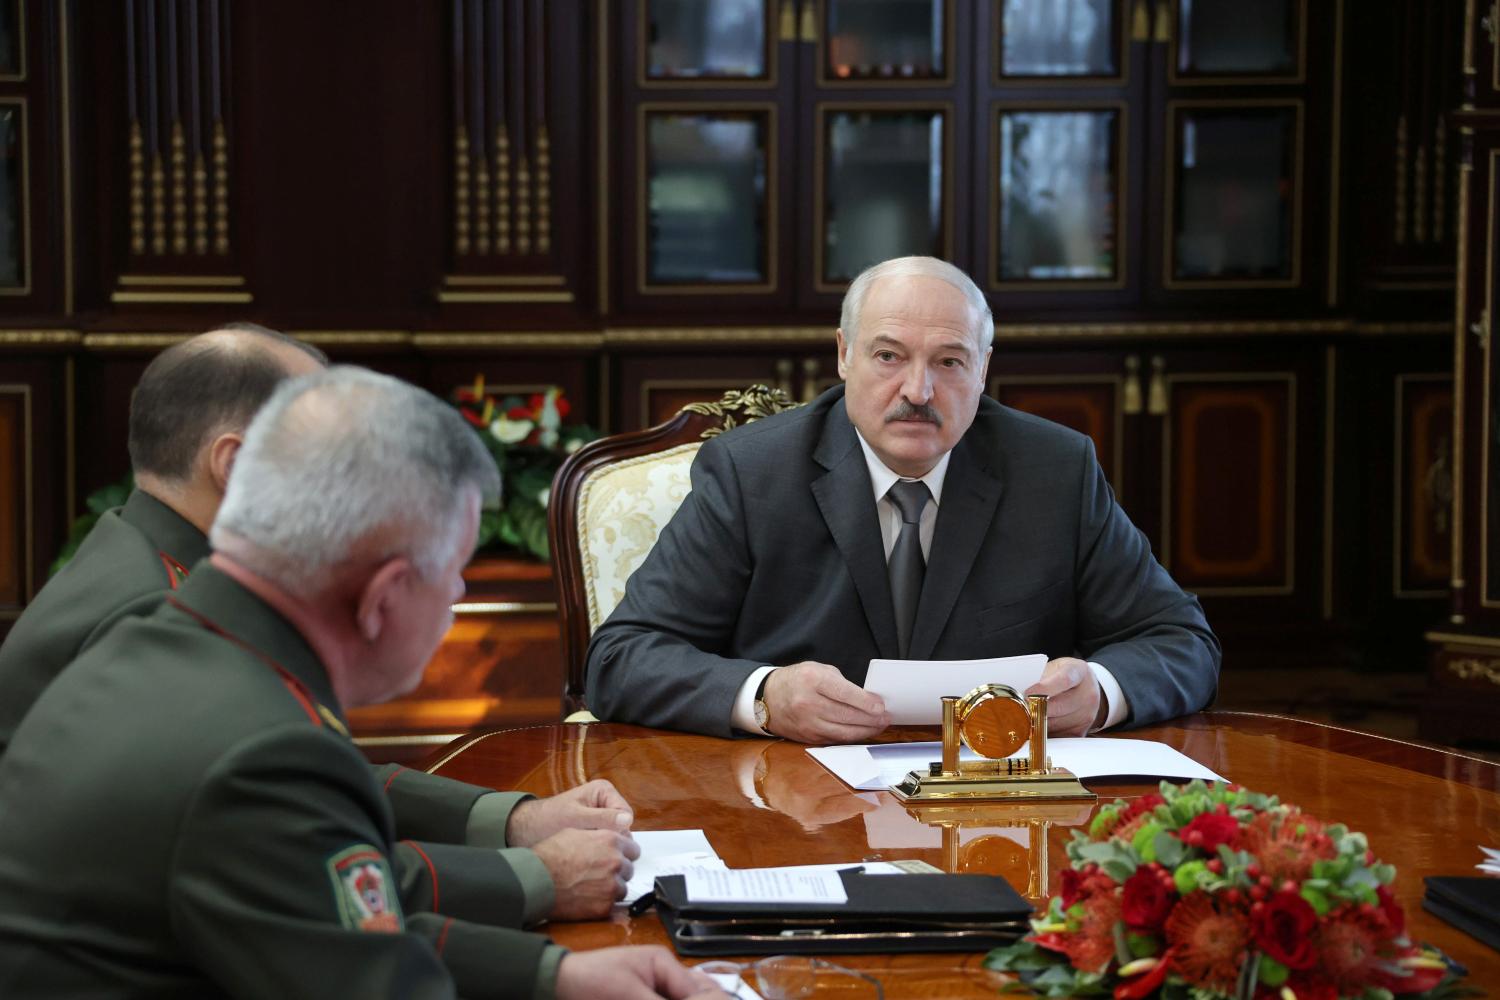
610, 501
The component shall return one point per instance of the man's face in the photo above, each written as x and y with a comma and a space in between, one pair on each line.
915, 374
423, 613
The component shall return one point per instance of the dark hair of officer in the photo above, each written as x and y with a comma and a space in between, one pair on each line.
202, 387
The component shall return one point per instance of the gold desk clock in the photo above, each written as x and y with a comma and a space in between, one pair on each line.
994, 722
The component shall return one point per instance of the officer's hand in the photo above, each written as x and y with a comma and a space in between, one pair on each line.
589, 870
1074, 702
814, 703
596, 805
638, 973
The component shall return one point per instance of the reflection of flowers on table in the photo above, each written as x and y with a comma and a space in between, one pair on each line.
1214, 891
527, 439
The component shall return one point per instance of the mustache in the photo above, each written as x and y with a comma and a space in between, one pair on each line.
906, 411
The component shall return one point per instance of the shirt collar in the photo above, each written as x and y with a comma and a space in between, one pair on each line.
882, 478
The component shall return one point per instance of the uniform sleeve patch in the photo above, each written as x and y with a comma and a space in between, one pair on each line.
364, 890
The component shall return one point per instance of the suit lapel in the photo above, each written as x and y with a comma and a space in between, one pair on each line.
971, 492
846, 499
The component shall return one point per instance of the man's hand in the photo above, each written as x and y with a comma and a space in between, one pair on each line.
592, 806
1074, 702
638, 973
813, 703
589, 870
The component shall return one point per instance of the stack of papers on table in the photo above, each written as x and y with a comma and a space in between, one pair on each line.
877, 766
1491, 863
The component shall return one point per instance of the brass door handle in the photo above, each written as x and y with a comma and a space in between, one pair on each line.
1130, 403
1163, 21
1140, 28
809, 20
810, 371
1156, 396
784, 369
788, 20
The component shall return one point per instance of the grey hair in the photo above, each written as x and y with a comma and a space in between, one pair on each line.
342, 462
916, 267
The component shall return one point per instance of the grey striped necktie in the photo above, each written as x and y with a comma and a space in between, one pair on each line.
906, 565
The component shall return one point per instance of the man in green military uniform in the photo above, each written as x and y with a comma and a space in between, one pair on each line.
533, 859
185, 814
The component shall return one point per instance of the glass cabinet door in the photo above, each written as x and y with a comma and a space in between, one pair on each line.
1233, 194
1058, 193
900, 41
12, 197
709, 190
12, 41
689, 40
1059, 38
882, 188
1219, 38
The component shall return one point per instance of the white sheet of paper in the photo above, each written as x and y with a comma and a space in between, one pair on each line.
731, 983
1493, 854
660, 843
667, 852
911, 688
873, 767
764, 885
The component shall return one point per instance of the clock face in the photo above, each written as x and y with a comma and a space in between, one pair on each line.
995, 725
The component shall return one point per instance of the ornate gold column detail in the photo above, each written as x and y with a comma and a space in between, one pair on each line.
543, 191
502, 190
1439, 180
1399, 215
482, 206
158, 205
221, 188
137, 191
460, 191
200, 206
523, 206
179, 190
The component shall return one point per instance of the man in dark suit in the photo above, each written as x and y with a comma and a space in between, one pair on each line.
532, 859
901, 515
185, 813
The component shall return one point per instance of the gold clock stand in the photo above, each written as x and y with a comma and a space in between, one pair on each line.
993, 721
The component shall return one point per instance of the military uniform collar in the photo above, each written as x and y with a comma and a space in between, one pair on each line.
171, 533
217, 602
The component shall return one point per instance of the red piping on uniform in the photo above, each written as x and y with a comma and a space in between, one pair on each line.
296, 687
443, 935
431, 870
393, 777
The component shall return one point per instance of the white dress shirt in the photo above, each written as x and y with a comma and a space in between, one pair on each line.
742, 716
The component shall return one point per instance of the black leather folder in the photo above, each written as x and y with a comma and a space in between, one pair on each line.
1472, 904
885, 913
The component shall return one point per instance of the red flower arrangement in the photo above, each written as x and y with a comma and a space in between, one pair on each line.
1213, 891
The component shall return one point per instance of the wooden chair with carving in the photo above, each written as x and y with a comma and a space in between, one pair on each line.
609, 502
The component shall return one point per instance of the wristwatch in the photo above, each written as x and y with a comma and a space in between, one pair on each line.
762, 710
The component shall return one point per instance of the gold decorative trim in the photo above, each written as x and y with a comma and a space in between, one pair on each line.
40, 338
1461, 309
1170, 207
643, 58
1290, 378
23, 129
505, 608
1330, 417
1243, 80
523, 205
824, 79
742, 406
179, 189
1486, 376
482, 204
543, 191
200, 205
502, 190
719, 335
435, 768
446, 296
66, 140
131, 341
352, 338
767, 110
489, 280
19, 75
1335, 151
461, 190
204, 280
1435, 327
158, 205
1450, 639
1472, 668
1122, 169
583, 340
220, 146
820, 125
1398, 483
238, 298
436, 739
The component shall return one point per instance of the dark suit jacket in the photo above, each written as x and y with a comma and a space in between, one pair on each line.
138, 554
776, 557
171, 830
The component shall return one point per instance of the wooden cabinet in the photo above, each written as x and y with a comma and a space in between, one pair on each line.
1464, 682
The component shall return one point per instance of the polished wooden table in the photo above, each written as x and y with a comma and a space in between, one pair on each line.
766, 802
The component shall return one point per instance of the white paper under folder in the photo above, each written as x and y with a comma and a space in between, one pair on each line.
913, 689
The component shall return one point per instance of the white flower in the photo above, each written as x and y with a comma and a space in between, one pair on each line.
541, 497
573, 445
508, 431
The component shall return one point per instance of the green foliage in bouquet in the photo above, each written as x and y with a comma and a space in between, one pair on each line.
1214, 892
98, 503
528, 441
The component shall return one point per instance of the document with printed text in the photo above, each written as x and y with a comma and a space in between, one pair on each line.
912, 688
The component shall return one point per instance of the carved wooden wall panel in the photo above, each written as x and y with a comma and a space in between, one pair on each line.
1088, 404
1424, 483
1228, 481
15, 500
